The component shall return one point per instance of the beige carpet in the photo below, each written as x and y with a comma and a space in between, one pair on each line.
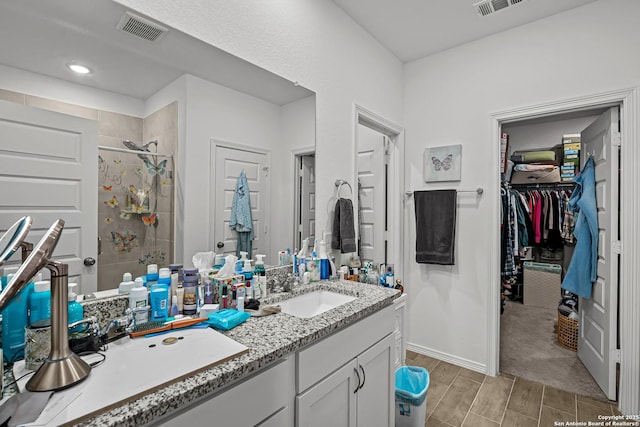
529, 349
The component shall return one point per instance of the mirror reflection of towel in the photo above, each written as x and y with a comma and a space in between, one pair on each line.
435, 226
344, 233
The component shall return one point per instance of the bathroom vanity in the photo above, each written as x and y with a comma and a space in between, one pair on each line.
335, 368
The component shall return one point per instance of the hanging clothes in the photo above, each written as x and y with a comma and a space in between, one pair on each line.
240, 219
583, 268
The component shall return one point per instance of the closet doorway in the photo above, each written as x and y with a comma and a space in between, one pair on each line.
537, 342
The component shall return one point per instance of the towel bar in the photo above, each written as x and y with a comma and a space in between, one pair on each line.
340, 183
478, 190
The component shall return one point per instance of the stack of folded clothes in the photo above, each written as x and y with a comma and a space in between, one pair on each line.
536, 166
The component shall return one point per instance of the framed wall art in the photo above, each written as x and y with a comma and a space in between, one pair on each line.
442, 163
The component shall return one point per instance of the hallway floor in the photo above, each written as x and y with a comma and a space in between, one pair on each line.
461, 397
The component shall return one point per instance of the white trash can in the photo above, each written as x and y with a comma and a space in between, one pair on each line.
411, 384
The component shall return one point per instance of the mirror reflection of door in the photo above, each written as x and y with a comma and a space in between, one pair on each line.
228, 163
372, 194
305, 204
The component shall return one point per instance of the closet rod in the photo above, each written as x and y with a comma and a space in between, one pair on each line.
478, 190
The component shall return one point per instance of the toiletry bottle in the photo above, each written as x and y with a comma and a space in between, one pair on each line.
189, 297
324, 261
247, 272
208, 289
126, 285
180, 296
260, 277
174, 306
302, 258
313, 267
152, 275
14, 319
164, 276
40, 301
159, 297
74, 308
138, 301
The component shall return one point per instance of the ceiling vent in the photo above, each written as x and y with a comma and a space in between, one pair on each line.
141, 27
487, 7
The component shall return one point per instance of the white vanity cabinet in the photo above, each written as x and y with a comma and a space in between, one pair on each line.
265, 399
400, 332
347, 378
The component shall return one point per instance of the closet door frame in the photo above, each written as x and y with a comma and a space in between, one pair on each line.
629, 295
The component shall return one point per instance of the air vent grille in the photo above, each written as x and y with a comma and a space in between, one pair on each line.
487, 7
141, 27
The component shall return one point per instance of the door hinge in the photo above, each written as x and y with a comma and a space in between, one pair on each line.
616, 247
617, 355
265, 169
616, 139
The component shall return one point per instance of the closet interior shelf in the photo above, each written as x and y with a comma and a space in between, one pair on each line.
543, 185
478, 190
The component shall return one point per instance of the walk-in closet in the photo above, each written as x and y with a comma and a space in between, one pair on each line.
548, 199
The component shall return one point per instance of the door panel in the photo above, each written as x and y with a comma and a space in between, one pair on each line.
308, 199
48, 164
371, 194
229, 163
376, 397
598, 315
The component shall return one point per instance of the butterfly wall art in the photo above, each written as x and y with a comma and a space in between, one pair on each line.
124, 241
442, 163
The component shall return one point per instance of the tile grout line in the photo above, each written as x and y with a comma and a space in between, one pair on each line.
541, 403
506, 405
474, 398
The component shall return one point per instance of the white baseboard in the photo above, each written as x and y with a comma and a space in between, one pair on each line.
455, 360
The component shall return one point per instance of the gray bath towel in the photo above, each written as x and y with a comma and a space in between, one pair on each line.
435, 226
344, 234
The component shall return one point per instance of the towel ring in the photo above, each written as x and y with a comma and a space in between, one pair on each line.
340, 183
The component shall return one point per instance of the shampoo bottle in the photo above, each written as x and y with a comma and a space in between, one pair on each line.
260, 278
74, 308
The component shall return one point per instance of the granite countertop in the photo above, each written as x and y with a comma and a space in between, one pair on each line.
268, 338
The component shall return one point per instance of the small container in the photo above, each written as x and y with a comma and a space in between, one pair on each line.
240, 303
152, 275
174, 306
260, 278
138, 301
190, 298
164, 276
208, 291
159, 297
126, 285
180, 297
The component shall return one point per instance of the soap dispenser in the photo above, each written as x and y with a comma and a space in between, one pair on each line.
324, 260
247, 272
74, 308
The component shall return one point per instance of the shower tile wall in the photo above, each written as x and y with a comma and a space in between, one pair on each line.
121, 252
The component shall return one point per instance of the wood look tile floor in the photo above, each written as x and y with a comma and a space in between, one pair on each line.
459, 397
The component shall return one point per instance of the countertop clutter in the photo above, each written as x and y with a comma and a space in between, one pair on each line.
268, 339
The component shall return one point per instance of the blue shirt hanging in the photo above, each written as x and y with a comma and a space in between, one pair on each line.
583, 268
240, 219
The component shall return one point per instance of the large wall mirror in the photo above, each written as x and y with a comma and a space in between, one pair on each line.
177, 121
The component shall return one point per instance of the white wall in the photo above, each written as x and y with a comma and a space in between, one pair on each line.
448, 100
308, 41
35, 84
525, 135
298, 133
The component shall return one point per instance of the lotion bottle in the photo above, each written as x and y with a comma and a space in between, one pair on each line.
126, 285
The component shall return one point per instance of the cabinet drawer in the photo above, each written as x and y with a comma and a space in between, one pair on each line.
319, 360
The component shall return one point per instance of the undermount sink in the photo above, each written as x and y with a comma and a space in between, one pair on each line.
313, 303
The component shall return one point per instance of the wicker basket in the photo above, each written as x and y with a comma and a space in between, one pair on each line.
567, 332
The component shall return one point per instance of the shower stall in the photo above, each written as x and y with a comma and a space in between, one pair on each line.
135, 210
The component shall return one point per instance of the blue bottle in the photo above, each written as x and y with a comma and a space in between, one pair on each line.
74, 308
40, 301
159, 297
14, 319
152, 275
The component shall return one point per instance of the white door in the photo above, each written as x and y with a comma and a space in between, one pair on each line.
371, 194
598, 327
48, 169
307, 198
228, 163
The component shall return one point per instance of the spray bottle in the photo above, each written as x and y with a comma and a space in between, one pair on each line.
260, 278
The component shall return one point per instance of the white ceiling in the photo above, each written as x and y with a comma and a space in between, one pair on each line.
413, 29
43, 36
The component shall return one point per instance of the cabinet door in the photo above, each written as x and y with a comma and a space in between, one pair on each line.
331, 402
376, 394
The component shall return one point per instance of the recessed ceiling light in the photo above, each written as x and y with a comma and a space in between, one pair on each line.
80, 69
